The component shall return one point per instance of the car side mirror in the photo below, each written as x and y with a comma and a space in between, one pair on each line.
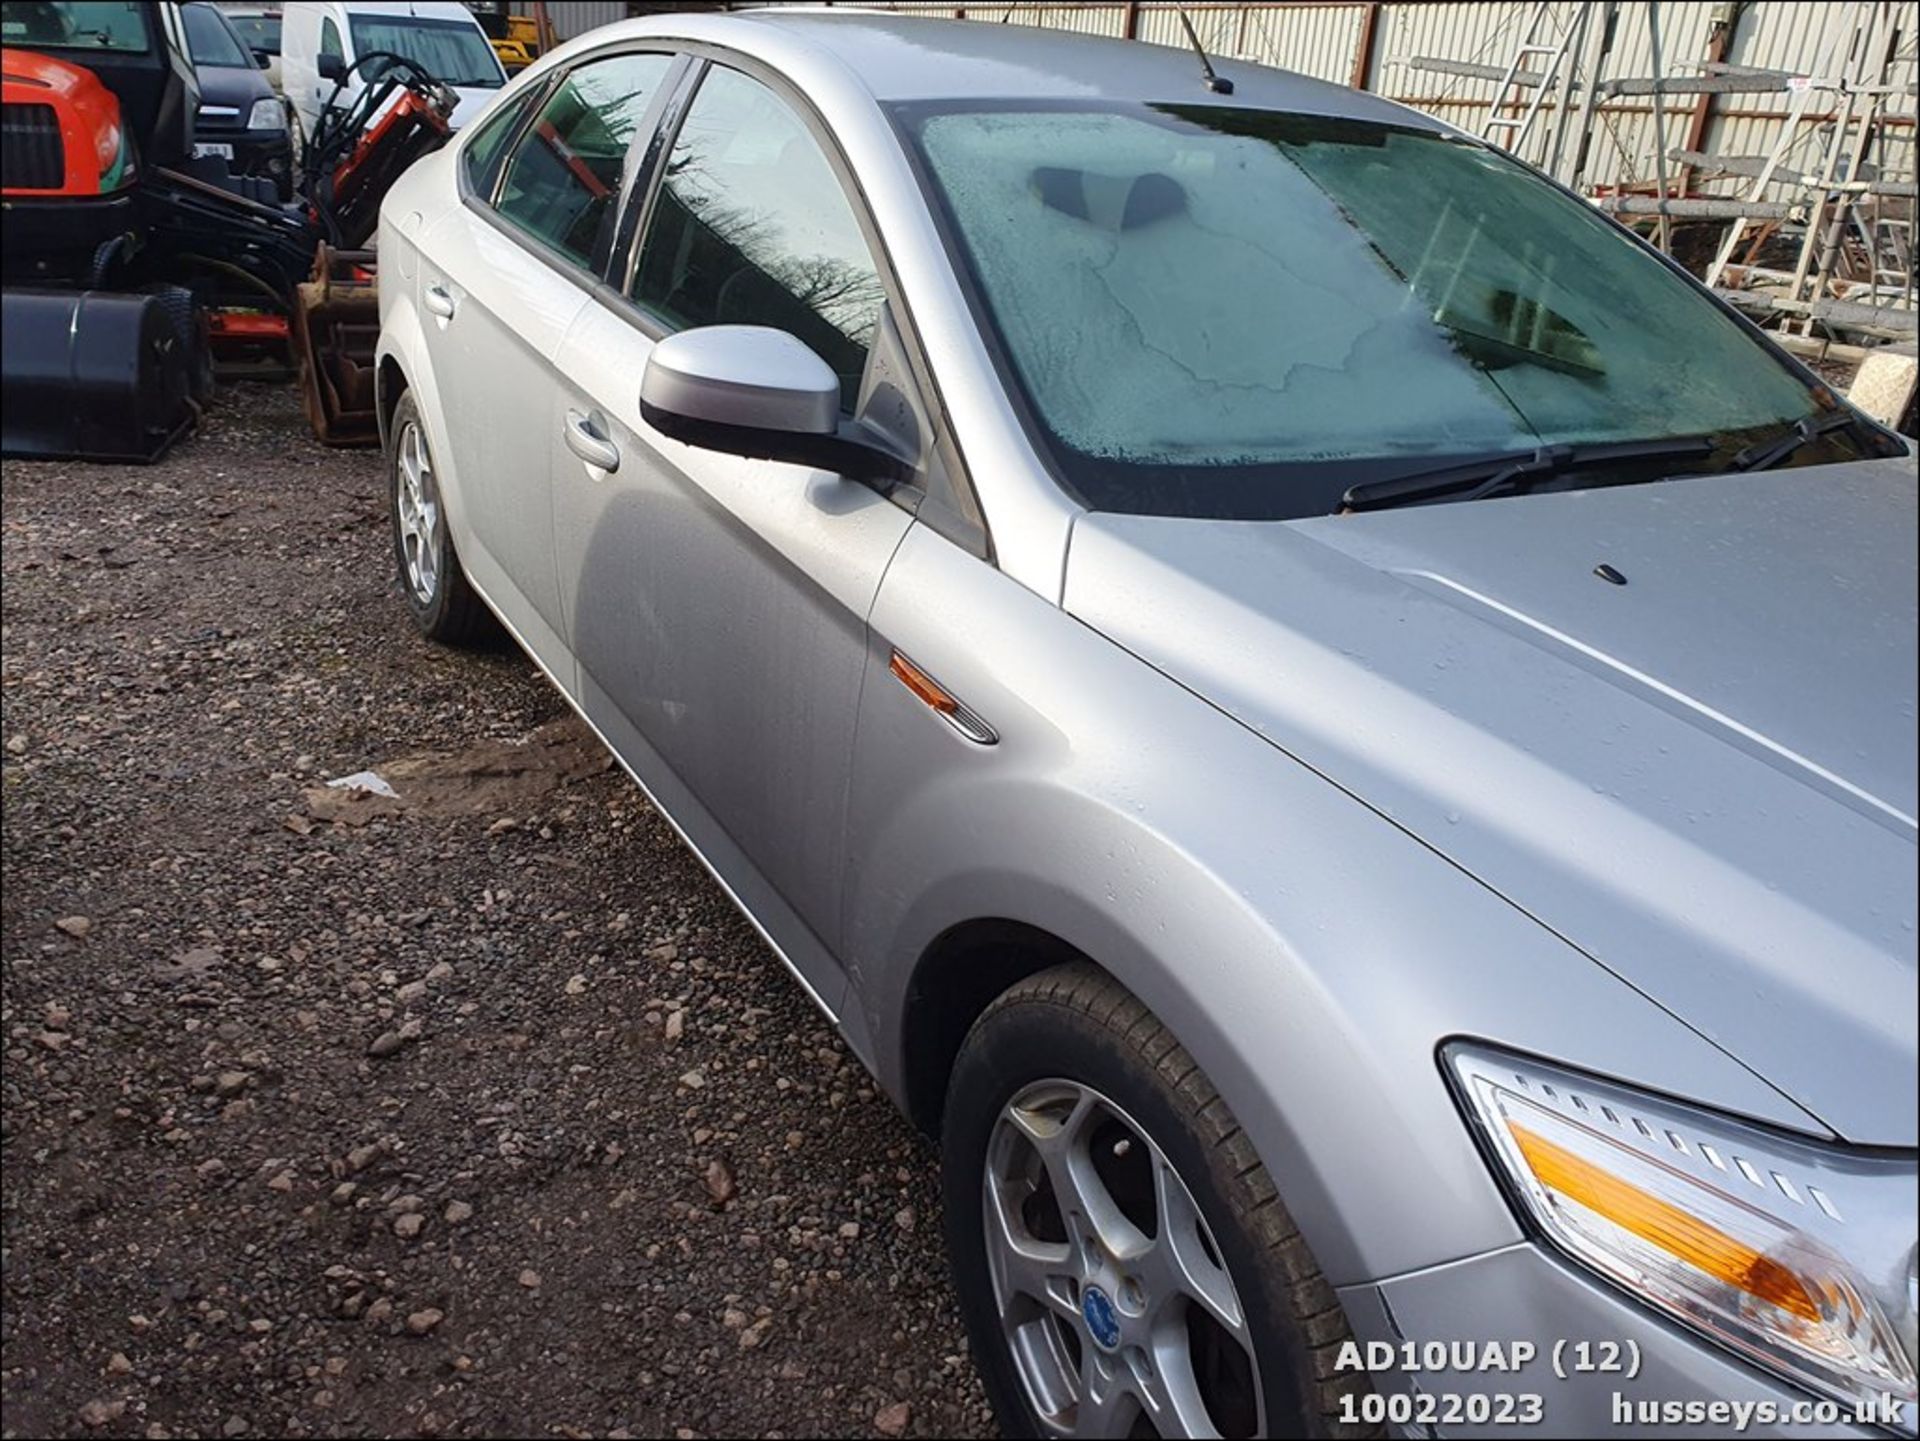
754, 391
262, 60
331, 67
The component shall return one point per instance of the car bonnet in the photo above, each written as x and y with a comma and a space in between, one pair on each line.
1704, 778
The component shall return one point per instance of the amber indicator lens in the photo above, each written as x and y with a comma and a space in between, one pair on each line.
922, 684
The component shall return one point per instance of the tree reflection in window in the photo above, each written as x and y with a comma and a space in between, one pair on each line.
752, 228
563, 182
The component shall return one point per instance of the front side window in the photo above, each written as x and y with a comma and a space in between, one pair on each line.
751, 227
209, 41
1229, 312
451, 51
74, 25
562, 182
330, 40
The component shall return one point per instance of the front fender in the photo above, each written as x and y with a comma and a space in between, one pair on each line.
1310, 954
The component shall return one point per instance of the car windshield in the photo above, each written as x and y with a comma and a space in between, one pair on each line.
209, 41
262, 32
449, 50
74, 24
1231, 312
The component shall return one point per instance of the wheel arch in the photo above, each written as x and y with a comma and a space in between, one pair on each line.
389, 384
1255, 992
960, 973
402, 366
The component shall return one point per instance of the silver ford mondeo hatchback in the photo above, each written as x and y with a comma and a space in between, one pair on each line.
1339, 731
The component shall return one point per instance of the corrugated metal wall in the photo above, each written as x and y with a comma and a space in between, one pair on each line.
1803, 38
576, 17
1329, 40
1351, 41
1317, 40
1488, 33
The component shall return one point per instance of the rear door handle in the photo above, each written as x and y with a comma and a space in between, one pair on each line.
590, 446
439, 302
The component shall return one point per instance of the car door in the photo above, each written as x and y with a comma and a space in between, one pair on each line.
299, 42
332, 43
718, 605
501, 279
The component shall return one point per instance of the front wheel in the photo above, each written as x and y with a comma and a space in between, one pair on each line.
1124, 1263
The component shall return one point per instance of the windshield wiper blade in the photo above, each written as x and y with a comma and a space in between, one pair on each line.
1765, 454
1515, 470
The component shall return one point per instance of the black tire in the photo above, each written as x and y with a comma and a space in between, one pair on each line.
450, 613
189, 323
107, 256
1075, 1023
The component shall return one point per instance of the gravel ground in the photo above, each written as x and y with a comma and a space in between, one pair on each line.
495, 1123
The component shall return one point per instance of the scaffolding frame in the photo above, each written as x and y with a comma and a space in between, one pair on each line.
1852, 269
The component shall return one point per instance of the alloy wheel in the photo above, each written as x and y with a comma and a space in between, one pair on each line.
1113, 1297
417, 512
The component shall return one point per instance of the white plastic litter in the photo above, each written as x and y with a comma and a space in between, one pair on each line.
365, 781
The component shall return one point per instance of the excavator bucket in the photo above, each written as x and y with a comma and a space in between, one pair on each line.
92, 375
336, 324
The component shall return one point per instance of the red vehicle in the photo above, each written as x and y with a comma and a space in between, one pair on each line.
67, 166
47, 99
118, 242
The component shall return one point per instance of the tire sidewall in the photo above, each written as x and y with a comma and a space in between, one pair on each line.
189, 323
1008, 1051
429, 615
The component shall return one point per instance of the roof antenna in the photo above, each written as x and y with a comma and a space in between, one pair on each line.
1217, 83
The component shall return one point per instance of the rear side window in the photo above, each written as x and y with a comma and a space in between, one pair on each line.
562, 182
485, 147
751, 227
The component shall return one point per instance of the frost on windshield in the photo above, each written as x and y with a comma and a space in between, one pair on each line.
1589, 336
1212, 287
1196, 330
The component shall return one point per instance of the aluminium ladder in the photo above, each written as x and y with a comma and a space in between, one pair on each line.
1512, 132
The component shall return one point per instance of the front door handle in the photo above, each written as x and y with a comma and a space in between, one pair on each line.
585, 442
439, 302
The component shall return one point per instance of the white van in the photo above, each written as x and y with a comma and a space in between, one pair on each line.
321, 40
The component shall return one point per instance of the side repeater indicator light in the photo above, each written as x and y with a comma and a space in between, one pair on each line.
941, 701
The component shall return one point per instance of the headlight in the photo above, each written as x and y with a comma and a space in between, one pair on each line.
267, 115
1798, 1255
116, 159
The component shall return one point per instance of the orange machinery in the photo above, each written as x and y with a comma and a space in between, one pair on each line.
118, 248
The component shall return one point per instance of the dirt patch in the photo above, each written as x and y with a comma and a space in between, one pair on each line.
426, 1126
492, 778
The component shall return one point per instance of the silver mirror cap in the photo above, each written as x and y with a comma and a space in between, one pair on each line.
743, 375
